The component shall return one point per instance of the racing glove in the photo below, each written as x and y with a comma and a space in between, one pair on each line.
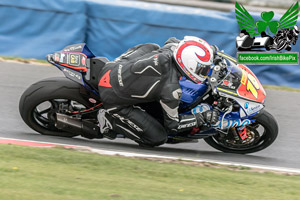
207, 118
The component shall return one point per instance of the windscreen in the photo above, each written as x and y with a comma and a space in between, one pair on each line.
233, 77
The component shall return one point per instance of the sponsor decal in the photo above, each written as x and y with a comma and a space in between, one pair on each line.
105, 80
228, 84
128, 122
233, 123
244, 77
252, 85
92, 100
201, 108
254, 109
227, 91
120, 76
155, 60
73, 48
246, 105
83, 60
56, 57
72, 74
74, 59
189, 125
62, 56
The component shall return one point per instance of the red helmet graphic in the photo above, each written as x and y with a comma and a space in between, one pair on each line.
194, 57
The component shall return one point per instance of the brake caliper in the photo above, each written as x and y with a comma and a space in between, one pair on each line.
242, 132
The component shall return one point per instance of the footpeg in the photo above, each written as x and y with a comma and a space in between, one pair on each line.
110, 135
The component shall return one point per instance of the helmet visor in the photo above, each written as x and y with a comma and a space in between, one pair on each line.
202, 70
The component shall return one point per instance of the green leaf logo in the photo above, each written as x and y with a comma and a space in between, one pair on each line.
246, 21
267, 16
267, 23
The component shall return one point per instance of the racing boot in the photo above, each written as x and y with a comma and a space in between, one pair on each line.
105, 125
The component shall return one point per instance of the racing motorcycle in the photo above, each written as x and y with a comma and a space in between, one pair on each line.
68, 106
285, 37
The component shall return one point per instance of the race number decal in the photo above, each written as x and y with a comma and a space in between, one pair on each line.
250, 87
74, 59
244, 77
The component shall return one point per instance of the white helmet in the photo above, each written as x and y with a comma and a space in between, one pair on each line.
194, 57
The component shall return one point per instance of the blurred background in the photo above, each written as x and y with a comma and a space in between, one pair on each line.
35, 28
214, 3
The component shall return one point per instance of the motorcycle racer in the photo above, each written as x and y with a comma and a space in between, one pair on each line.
149, 73
285, 37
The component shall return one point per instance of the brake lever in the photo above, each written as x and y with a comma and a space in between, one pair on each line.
228, 111
217, 76
213, 79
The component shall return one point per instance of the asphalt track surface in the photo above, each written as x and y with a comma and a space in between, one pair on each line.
284, 105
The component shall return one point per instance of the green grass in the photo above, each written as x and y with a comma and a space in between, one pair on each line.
56, 173
24, 60
284, 88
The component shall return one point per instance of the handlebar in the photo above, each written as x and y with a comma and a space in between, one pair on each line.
219, 73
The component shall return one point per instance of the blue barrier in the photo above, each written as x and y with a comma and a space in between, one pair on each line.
34, 28
119, 25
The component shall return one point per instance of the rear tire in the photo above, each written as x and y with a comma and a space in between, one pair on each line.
270, 126
45, 90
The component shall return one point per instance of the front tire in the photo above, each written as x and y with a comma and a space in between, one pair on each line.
281, 45
49, 90
264, 119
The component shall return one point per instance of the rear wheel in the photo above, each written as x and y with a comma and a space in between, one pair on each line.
261, 134
41, 101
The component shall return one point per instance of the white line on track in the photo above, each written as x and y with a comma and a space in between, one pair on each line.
263, 167
141, 155
33, 141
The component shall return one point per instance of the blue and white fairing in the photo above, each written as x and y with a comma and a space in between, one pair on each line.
191, 91
73, 70
230, 86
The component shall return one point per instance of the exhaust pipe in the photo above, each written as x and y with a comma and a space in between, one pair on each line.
85, 128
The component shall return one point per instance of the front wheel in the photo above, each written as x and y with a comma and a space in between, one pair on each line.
261, 134
281, 45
